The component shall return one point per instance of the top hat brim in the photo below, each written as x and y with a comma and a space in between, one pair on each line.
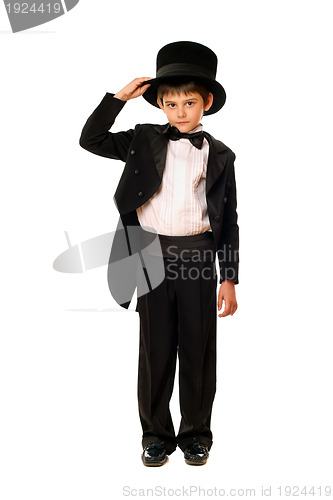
150, 95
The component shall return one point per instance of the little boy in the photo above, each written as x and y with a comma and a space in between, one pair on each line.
180, 181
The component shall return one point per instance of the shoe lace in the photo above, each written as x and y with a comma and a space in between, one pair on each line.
154, 449
198, 448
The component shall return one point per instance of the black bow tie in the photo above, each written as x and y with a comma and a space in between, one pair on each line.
195, 138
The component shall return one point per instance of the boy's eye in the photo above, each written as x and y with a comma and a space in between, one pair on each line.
172, 105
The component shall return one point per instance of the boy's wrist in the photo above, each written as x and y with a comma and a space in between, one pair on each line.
228, 281
120, 95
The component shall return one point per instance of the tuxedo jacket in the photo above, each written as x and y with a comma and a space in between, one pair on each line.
144, 149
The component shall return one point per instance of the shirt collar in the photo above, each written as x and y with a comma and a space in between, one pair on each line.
198, 128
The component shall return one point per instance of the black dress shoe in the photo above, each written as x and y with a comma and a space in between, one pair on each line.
154, 455
196, 454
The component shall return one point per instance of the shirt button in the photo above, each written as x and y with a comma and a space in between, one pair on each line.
140, 193
133, 152
225, 199
137, 171
217, 218
228, 184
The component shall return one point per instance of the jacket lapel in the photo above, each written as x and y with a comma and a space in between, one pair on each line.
158, 139
216, 162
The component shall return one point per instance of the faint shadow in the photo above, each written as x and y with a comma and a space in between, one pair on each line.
27, 32
95, 309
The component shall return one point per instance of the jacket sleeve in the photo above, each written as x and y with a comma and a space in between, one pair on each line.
228, 249
95, 135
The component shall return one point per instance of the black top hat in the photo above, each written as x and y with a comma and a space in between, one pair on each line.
180, 62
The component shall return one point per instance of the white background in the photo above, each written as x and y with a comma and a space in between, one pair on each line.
69, 422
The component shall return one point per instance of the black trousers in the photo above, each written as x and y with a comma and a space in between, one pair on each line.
179, 317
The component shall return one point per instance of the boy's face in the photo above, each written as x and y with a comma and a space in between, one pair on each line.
184, 111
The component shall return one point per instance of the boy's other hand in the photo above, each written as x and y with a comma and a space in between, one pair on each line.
133, 89
228, 295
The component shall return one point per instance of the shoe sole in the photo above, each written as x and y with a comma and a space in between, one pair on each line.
190, 462
155, 464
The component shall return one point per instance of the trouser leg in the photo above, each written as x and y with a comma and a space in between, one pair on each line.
197, 310
157, 363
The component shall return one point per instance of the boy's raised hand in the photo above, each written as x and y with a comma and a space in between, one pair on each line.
133, 89
228, 295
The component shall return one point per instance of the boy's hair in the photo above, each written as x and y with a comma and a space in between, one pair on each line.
186, 87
